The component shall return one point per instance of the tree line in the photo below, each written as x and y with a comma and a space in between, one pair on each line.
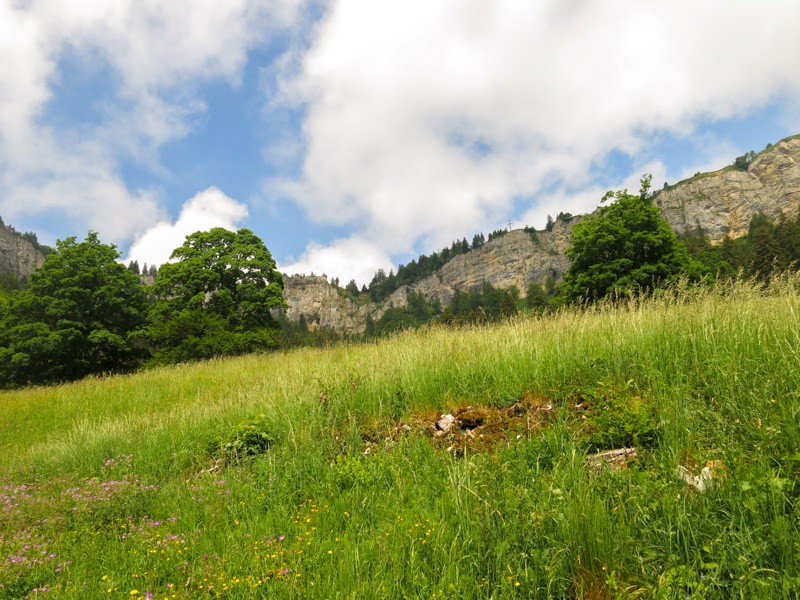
84, 313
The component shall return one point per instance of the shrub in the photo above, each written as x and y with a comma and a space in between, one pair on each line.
613, 417
244, 441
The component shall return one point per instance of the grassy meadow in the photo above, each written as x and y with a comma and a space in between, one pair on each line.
317, 473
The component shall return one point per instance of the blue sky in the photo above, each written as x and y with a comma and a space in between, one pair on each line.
353, 135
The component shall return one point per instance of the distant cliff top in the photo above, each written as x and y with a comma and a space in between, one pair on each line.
723, 203
718, 204
20, 254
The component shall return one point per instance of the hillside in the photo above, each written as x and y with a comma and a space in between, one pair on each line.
718, 204
724, 202
443, 463
514, 259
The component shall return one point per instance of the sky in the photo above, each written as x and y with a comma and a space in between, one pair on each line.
353, 135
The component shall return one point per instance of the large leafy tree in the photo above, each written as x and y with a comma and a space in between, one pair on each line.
78, 316
217, 298
626, 246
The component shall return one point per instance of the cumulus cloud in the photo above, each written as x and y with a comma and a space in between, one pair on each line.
351, 258
206, 210
151, 56
425, 121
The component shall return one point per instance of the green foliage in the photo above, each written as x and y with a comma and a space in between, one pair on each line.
415, 313
352, 288
79, 316
536, 298
531, 231
711, 259
244, 441
10, 282
382, 285
216, 299
354, 470
497, 233
626, 247
770, 247
614, 417
486, 305
358, 498
133, 267
297, 333
742, 163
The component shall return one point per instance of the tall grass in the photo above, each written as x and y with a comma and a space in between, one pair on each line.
113, 484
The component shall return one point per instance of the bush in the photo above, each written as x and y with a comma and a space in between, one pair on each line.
614, 418
245, 441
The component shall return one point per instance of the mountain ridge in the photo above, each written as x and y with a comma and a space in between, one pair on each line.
718, 204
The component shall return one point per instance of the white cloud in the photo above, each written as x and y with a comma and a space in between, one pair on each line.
206, 210
151, 56
587, 199
352, 258
425, 121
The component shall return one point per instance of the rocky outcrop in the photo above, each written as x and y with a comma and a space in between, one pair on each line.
719, 204
18, 256
724, 202
515, 259
323, 304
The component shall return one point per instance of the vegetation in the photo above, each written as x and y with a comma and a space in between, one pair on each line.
742, 163
315, 473
485, 305
625, 247
216, 299
78, 316
769, 247
382, 285
297, 333
84, 313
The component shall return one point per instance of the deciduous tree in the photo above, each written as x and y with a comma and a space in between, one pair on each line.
217, 297
626, 246
78, 316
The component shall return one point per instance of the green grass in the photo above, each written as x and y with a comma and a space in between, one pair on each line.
128, 484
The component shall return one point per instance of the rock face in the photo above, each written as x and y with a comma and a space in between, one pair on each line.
514, 259
18, 256
323, 305
720, 204
517, 259
723, 203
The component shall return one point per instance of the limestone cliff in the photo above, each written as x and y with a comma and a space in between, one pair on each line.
324, 305
724, 202
514, 259
18, 256
720, 203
